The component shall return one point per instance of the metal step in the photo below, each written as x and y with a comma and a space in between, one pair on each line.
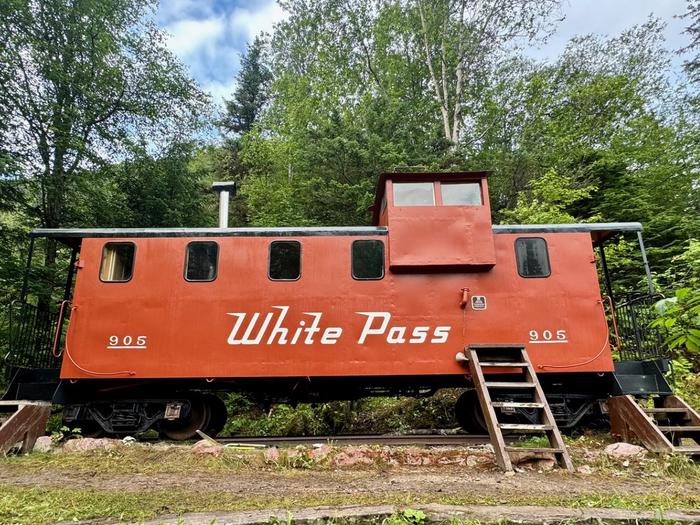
518, 426
516, 404
508, 384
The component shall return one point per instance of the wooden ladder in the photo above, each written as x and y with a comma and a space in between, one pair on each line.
662, 429
516, 374
22, 422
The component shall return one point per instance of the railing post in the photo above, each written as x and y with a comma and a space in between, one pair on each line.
647, 271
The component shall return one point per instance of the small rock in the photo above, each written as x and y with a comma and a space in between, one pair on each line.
624, 450
86, 444
43, 444
545, 464
626, 463
353, 456
129, 440
321, 452
272, 454
472, 461
207, 448
509, 473
585, 470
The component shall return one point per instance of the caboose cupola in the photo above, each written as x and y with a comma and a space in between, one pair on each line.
436, 221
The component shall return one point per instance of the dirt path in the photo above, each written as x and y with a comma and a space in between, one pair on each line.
408, 480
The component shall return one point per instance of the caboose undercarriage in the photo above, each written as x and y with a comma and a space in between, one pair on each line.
177, 408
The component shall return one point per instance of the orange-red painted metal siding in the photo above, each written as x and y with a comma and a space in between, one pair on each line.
188, 326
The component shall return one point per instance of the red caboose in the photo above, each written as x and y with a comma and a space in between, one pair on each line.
158, 320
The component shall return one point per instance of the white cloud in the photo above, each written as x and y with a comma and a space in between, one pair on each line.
251, 22
189, 36
220, 90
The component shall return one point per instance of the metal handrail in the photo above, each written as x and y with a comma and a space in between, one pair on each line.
638, 340
30, 336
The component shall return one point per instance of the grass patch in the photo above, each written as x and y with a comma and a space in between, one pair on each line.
25, 506
136, 460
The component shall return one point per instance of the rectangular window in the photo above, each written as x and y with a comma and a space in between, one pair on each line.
117, 262
532, 257
461, 194
201, 261
285, 261
414, 194
367, 260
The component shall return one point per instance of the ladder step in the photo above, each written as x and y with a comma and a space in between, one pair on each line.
679, 428
502, 364
665, 410
535, 450
515, 404
689, 449
518, 426
508, 384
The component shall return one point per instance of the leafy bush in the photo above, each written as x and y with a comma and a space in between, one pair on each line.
368, 415
680, 317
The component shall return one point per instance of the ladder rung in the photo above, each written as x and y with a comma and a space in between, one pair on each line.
515, 404
679, 428
688, 449
518, 426
503, 364
665, 410
535, 450
508, 384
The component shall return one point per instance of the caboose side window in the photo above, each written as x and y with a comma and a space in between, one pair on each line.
460, 193
201, 261
532, 257
414, 194
117, 262
285, 261
367, 260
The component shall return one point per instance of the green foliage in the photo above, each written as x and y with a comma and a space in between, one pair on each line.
686, 381
369, 415
680, 317
406, 517
82, 81
251, 94
550, 197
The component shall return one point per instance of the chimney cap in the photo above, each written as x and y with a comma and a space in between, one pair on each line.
224, 186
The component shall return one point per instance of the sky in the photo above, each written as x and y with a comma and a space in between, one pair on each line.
209, 36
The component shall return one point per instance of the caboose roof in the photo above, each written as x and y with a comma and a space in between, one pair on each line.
600, 232
72, 236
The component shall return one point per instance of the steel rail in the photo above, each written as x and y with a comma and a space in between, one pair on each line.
433, 440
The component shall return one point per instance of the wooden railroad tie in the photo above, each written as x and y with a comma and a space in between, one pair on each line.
514, 358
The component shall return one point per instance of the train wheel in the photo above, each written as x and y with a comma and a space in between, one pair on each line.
186, 428
468, 413
218, 414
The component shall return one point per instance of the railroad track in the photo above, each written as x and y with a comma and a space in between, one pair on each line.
414, 439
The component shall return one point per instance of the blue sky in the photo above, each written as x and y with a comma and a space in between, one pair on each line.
210, 35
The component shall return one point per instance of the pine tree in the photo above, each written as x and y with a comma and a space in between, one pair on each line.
252, 90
